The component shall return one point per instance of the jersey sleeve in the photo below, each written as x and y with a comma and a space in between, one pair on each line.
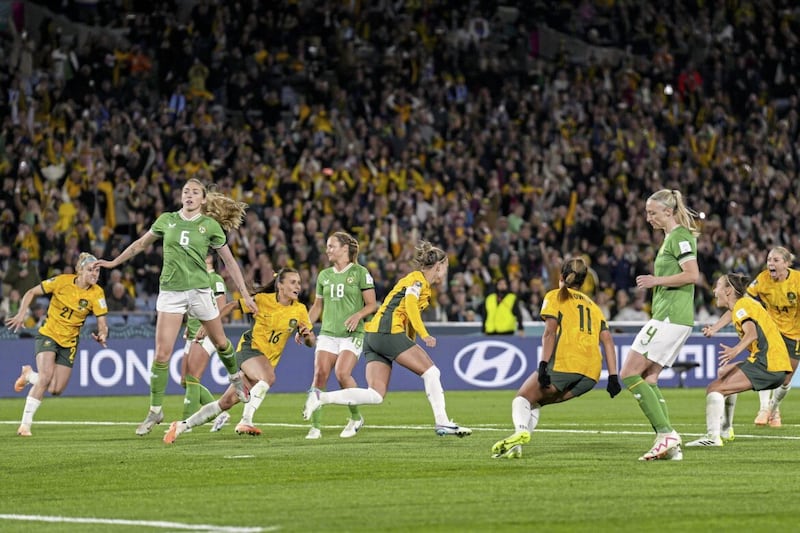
50, 285
412, 295
684, 246
217, 237
366, 280
549, 306
159, 225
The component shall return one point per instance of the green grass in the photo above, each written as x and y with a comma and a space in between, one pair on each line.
579, 472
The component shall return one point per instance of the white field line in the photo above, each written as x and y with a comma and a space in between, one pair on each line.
137, 523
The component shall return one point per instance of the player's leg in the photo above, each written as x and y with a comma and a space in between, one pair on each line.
324, 361
345, 364
168, 325
260, 374
45, 367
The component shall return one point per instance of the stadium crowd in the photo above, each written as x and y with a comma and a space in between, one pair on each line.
397, 121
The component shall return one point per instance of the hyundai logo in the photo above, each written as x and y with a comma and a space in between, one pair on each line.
490, 364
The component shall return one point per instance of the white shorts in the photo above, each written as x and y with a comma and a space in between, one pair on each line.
660, 342
199, 303
206, 343
326, 343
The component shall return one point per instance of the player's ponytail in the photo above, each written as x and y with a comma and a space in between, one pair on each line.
573, 274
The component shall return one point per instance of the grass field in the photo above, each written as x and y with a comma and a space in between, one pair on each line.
84, 470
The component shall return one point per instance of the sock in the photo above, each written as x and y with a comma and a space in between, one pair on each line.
352, 396
205, 395
778, 395
355, 414
648, 403
316, 418
227, 358
661, 402
520, 413
31, 405
206, 413
191, 399
715, 407
33, 377
257, 394
727, 418
159, 374
435, 393
764, 397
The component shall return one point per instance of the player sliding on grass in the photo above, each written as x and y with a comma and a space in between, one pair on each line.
259, 351
390, 336
74, 297
571, 359
765, 368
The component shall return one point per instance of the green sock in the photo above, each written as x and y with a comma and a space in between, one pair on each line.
227, 358
662, 402
355, 414
159, 374
316, 418
648, 403
205, 395
191, 400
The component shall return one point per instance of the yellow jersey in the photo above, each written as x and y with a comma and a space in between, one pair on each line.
779, 298
769, 348
577, 345
401, 310
69, 307
274, 324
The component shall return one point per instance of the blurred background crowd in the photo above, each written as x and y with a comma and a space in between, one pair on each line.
510, 134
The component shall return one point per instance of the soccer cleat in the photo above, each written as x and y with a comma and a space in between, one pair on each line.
247, 429
775, 419
22, 380
220, 421
762, 418
352, 428
706, 440
242, 390
674, 454
452, 429
175, 429
150, 421
663, 444
312, 403
314, 434
24, 430
502, 447
515, 452
727, 435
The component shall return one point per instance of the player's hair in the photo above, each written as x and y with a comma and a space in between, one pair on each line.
673, 199
227, 211
272, 286
427, 255
573, 272
345, 239
738, 282
84, 259
784, 253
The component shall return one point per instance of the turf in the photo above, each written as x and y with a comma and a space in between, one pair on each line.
579, 472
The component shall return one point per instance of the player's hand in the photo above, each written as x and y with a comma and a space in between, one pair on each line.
200, 335
101, 338
613, 386
708, 331
16, 322
429, 341
544, 377
251, 304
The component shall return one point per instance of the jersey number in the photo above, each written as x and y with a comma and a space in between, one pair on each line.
66, 312
586, 319
275, 336
184, 239
337, 291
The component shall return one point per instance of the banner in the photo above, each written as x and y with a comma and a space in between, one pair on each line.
466, 363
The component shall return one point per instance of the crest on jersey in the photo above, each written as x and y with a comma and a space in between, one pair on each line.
292, 324
792, 297
201, 229
351, 280
83, 304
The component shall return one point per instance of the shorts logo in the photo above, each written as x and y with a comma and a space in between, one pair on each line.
490, 364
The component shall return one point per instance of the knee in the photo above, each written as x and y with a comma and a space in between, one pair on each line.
432, 373
343, 377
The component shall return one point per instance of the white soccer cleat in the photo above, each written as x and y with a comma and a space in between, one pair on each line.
663, 444
314, 434
706, 440
220, 421
149, 422
674, 454
352, 428
242, 391
312, 403
762, 418
24, 430
452, 429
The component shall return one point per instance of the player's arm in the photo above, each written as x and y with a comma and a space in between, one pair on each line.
101, 335
610, 352
724, 320
749, 335
236, 273
137, 246
15, 322
370, 306
548, 347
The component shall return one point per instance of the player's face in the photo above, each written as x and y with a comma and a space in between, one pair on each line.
290, 286
722, 291
335, 250
658, 215
192, 196
89, 275
777, 266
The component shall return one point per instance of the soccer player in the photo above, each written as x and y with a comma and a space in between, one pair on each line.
389, 338
777, 288
345, 297
766, 366
657, 344
259, 350
571, 359
74, 297
184, 284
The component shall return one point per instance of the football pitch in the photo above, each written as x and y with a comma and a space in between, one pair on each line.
84, 470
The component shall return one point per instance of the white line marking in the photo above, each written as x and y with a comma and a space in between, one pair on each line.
142, 523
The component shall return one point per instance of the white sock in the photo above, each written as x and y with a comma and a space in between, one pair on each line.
155, 408
435, 393
536, 409
764, 398
257, 394
730, 406
778, 395
31, 405
715, 407
33, 378
521, 413
206, 413
352, 396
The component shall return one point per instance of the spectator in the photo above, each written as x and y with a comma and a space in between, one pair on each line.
501, 311
22, 274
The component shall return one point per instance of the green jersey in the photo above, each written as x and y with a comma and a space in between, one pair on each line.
186, 244
218, 287
341, 294
675, 303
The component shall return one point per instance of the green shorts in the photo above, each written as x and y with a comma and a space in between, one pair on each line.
246, 350
793, 345
760, 377
577, 384
385, 347
64, 356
